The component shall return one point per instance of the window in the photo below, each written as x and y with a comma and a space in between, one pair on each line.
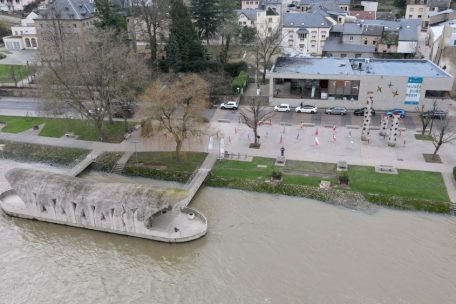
351, 38
74, 25
343, 55
290, 43
301, 46
374, 42
270, 19
34, 43
410, 16
357, 55
412, 9
420, 9
419, 16
365, 42
313, 43
27, 42
323, 36
302, 37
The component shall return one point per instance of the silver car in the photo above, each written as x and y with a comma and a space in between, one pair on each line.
337, 111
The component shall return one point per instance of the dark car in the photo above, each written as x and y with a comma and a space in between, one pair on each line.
360, 112
336, 111
401, 112
434, 114
126, 111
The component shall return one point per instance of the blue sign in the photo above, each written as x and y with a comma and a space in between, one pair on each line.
412, 96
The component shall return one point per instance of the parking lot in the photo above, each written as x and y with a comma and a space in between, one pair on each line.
411, 121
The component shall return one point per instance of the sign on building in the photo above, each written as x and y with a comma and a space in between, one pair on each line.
412, 96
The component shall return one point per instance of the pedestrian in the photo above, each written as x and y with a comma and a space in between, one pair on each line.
301, 104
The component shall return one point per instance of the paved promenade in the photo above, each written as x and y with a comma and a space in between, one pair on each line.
299, 144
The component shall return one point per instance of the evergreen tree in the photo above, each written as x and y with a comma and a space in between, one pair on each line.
109, 15
205, 12
188, 46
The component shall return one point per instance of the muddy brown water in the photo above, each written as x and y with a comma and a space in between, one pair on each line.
260, 248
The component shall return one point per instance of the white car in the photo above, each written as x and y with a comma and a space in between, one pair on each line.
284, 107
306, 109
229, 105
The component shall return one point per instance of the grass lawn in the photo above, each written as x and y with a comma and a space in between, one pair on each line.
423, 137
167, 159
292, 171
57, 127
16, 124
408, 183
7, 70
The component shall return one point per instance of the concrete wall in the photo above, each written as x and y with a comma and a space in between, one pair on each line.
407, 47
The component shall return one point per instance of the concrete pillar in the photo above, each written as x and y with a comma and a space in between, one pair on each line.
393, 131
367, 117
385, 121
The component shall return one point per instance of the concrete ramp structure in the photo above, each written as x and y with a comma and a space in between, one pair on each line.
129, 209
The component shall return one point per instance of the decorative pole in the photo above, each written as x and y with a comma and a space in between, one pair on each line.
393, 130
385, 121
367, 117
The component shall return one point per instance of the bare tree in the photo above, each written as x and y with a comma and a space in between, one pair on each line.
177, 105
254, 115
266, 46
87, 75
426, 116
153, 14
442, 134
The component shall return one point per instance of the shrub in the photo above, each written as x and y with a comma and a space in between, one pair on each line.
234, 68
61, 156
106, 161
2, 56
157, 174
239, 81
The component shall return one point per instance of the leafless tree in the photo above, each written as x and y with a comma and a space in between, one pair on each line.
177, 105
426, 116
442, 134
254, 115
153, 15
87, 75
266, 46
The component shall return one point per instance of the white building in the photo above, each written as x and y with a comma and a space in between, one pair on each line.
305, 33
267, 24
23, 35
247, 17
13, 5
249, 4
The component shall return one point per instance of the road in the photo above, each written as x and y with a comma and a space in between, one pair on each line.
33, 106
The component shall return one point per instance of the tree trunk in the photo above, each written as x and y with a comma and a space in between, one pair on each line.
99, 126
430, 128
264, 74
436, 149
179, 144
125, 123
255, 134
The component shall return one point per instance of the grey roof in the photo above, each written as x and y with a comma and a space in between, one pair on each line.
327, 6
335, 45
372, 30
337, 28
251, 14
408, 28
305, 20
310, 2
68, 9
343, 66
352, 28
448, 11
442, 4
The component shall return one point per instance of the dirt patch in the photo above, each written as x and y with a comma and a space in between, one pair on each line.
436, 160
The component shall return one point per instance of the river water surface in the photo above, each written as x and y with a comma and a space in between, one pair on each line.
260, 249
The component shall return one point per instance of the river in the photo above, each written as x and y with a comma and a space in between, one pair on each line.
260, 248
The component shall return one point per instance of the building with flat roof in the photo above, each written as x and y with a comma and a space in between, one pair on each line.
328, 82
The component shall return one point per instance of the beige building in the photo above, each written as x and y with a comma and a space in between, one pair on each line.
71, 20
330, 82
420, 9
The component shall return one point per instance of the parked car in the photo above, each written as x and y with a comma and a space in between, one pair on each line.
336, 111
306, 109
128, 111
401, 112
360, 112
229, 105
284, 107
434, 114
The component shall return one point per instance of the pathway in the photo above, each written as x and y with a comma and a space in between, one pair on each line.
81, 166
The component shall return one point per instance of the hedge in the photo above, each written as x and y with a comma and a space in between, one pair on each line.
239, 81
106, 161
157, 174
51, 155
234, 68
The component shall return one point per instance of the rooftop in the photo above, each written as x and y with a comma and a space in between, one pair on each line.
305, 20
251, 14
343, 66
68, 9
336, 45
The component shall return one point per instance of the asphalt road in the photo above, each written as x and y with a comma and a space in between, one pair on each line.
33, 106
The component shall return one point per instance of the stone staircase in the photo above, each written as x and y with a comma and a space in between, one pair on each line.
120, 165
